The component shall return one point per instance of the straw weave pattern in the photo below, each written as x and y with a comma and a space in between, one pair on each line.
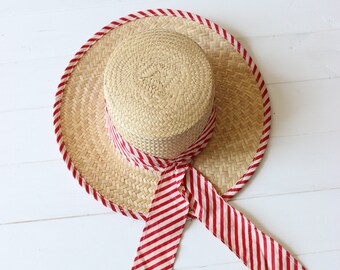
242, 104
158, 88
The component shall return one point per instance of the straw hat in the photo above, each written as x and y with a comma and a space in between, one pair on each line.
160, 76
161, 116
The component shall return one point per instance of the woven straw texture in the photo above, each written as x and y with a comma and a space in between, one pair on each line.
233, 145
167, 92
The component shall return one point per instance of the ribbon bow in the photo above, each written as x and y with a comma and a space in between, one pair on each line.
184, 192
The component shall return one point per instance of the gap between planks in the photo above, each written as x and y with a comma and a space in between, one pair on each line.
112, 213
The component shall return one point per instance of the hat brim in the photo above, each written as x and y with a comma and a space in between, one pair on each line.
242, 126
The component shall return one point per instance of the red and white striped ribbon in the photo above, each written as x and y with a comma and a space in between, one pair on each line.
181, 189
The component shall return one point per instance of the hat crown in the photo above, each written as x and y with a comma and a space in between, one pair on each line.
159, 91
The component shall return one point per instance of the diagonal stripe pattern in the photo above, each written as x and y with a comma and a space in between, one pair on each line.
164, 227
182, 191
256, 249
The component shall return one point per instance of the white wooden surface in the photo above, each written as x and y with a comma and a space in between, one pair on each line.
48, 222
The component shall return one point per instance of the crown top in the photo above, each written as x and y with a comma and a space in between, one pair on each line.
158, 87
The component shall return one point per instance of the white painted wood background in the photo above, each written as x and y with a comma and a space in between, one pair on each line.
48, 222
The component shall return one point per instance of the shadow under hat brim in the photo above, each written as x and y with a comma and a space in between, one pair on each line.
234, 152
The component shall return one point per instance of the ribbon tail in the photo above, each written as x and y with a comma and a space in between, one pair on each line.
165, 223
257, 250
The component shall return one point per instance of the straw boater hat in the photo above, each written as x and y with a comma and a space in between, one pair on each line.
161, 116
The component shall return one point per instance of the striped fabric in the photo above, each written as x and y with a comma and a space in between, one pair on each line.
182, 189
165, 224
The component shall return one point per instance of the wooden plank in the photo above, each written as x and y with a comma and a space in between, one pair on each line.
280, 59
248, 19
108, 241
298, 57
100, 242
297, 164
324, 260
303, 108
30, 84
290, 118
27, 136
49, 37
41, 190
